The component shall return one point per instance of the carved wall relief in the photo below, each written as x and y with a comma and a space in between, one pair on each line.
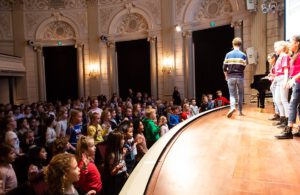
212, 8
59, 30
133, 22
6, 26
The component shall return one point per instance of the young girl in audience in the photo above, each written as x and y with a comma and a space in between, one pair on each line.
23, 126
164, 125
74, 127
90, 178
105, 121
95, 130
140, 139
50, 132
61, 173
127, 128
8, 177
115, 163
62, 123
185, 112
113, 121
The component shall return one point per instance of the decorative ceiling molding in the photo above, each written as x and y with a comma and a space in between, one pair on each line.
5, 5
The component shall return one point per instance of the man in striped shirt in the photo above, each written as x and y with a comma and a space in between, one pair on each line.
233, 67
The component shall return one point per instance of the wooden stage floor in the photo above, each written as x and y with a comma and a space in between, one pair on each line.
217, 155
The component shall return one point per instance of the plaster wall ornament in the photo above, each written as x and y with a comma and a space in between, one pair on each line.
212, 8
69, 4
32, 20
36, 4
59, 30
6, 26
180, 4
154, 7
106, 15
109, 1
80, 17
132, 22
5, 5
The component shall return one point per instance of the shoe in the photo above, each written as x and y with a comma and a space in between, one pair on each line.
284, 124
241, 114
276, 117
261, 110
297, 134
229, 114
286, 134
282, 119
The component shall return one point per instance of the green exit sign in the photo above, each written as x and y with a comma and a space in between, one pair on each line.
59, 43
212, 24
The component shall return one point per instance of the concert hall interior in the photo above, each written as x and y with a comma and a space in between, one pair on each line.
149, 97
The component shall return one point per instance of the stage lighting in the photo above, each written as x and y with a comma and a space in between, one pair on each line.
103, 38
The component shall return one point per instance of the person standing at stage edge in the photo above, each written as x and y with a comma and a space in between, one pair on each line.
233, 67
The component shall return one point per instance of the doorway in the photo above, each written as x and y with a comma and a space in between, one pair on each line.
133, 66
211, 46
61, 73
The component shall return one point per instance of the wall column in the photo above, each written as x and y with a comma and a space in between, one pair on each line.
189, 65
112, 67
153, 66
80, 70
41, 74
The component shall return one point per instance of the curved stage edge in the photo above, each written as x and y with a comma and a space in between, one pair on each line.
211, 154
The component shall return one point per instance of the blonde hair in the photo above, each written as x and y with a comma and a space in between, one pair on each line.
55, 172
83, 144
237, 42
162, 118
149, 111
284, 45
73, 114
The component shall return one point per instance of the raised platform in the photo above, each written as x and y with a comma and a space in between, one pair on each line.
217, 155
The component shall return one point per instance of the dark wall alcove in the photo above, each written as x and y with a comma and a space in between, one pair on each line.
133, 66
61, 73
211, 46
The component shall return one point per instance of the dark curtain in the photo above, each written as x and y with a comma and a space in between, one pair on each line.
133, 66
211, 46
61, 73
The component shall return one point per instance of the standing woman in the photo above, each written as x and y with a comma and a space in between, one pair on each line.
282, 66
293, 83
61, 173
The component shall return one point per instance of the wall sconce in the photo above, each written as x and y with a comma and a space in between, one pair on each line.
167, 65
178, 28
94, 70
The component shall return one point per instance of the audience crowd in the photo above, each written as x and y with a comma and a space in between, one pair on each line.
85, 146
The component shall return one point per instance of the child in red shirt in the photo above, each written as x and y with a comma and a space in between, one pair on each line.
220, 100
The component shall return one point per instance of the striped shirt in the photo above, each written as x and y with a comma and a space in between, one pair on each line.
234, 64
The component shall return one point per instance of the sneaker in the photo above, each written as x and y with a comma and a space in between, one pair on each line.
286, 134
297, 134
229, 114
276, 117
